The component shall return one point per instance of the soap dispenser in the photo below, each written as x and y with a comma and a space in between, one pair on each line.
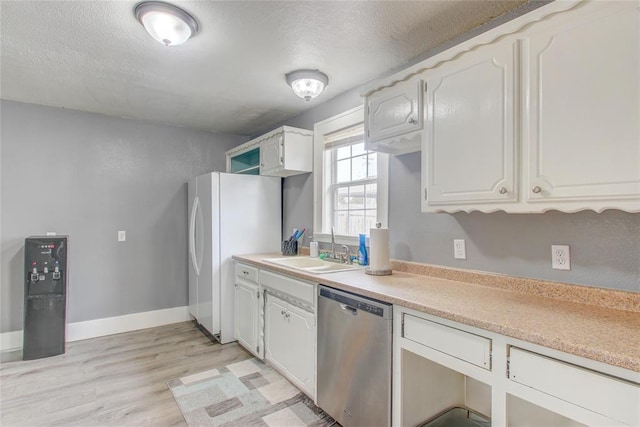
363, 256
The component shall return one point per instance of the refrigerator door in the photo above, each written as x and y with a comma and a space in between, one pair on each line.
250, 222
193, 232
204, 255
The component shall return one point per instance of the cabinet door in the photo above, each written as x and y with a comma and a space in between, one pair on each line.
289, 342
585, 106
246, 317
277, 342
301, 351
469, 151
247, 163
272, 154
394, 110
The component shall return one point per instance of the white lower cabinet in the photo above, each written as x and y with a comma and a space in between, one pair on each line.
247, 310
275, 320
616, 400
289, 335
439, 364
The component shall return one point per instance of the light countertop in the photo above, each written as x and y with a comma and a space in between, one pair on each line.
603, 326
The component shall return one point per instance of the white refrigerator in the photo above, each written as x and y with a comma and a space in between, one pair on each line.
229, 214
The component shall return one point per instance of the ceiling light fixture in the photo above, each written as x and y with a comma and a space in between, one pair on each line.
307, 84
166, 23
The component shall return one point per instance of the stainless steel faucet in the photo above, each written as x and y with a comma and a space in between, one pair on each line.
333, 243
347, 253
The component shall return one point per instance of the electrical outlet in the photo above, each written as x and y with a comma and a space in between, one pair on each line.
560, 257
122, 236
459, 249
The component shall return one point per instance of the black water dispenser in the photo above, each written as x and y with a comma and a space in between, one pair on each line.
45, 296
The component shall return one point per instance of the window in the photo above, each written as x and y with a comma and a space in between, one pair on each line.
350, 183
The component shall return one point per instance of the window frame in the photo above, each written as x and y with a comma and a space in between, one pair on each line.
321, 182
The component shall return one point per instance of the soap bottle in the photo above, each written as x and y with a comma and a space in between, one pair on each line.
313, 249
363, 257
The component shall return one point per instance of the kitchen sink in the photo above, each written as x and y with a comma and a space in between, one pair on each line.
312, 265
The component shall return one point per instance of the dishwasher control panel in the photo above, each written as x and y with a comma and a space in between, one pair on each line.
376, 308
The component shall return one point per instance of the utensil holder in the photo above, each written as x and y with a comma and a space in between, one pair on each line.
290, 248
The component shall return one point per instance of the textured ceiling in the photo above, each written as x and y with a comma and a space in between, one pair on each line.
94, 56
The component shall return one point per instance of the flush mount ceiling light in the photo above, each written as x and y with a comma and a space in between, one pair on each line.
166, 23
307, 84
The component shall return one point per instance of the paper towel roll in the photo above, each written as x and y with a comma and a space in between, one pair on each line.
379, 249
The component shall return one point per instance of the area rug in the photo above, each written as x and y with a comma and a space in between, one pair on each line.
247, 393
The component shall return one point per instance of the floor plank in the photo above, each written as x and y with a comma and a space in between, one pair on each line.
114, 380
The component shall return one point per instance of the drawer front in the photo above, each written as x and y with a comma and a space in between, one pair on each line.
608, 396
298, 289
454, 342
246, 273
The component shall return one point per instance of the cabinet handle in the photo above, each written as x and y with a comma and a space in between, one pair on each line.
536, 189
245, 272
502, 190
425, 193
261, 165
412, 121
281, 148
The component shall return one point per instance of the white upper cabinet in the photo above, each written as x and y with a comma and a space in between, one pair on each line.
469, 146
584, 87
272, 154
282, 152
286, 151
394, 118
542, 113
244, 159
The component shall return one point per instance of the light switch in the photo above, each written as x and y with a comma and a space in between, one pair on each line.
122, 236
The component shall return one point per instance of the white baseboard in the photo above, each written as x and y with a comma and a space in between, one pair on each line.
107, 326
11, 340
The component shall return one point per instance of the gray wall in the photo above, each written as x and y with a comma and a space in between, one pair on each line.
88, 176
605, 247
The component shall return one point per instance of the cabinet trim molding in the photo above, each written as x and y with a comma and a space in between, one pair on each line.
492, 36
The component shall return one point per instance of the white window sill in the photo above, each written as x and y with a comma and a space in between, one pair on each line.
340, 239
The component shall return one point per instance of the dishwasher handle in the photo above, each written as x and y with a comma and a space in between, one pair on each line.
349, 310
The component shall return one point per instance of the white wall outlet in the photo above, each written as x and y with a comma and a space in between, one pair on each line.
122, 236
459, 249
560, 257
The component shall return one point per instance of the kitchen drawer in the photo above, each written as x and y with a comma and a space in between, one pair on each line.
247, 273
609, 396
298, 289
454, 342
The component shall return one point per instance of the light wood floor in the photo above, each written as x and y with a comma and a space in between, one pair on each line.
114, 380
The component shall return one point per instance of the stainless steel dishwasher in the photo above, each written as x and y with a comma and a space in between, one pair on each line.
354, 358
